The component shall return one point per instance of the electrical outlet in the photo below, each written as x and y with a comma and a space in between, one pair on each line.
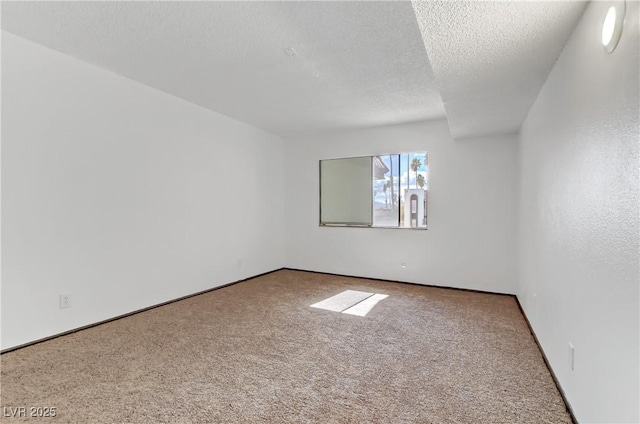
572, 357
239, 263
403, 263
65, 300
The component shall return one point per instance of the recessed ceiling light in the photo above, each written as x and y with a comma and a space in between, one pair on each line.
612, 26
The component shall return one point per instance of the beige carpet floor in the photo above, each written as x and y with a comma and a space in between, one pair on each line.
256, 352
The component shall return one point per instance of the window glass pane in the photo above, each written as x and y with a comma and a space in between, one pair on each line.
386, 171
345, 191
413, 171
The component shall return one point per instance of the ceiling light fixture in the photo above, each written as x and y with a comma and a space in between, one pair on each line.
612, 26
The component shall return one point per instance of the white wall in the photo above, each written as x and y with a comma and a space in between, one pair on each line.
472, 217
579, 220
122, 195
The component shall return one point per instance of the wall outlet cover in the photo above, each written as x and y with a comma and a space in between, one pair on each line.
572, 357
65, 300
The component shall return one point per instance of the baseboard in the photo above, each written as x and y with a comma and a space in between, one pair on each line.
128, 314
544, 356
546, 361
402, 282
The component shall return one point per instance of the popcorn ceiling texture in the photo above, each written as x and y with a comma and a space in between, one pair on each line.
491, 58
359, 64
257, 352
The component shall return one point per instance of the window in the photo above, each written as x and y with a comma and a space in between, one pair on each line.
387, 191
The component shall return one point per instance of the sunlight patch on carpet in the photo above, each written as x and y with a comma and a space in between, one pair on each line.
351, 302
362, 309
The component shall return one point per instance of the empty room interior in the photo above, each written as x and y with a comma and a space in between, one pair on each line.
336, 212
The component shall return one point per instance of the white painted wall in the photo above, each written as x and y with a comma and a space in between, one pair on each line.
472, 210
122, 195
578, 222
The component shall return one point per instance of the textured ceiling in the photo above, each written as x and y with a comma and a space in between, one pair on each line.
358, 64
491, 58
296, 68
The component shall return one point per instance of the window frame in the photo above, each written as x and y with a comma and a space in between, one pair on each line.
399, 195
